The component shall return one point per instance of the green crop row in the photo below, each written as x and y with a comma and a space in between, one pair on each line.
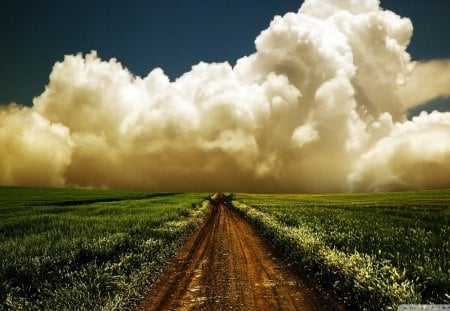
376, 250
88, 249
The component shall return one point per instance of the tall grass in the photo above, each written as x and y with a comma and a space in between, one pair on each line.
65, 249
382, 249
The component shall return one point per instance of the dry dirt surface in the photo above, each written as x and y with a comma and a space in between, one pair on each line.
226, 265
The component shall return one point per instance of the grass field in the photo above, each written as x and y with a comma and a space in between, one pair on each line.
71, 249
377, 250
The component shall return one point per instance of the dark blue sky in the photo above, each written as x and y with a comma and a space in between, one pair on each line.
171, 34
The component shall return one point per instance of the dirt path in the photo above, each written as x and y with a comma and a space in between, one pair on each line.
227, 266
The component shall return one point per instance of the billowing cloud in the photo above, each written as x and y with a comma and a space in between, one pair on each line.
415, 155
33, 151
317, 107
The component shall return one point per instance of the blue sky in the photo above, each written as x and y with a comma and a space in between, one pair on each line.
170, 34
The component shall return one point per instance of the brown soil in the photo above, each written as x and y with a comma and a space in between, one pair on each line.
226, 265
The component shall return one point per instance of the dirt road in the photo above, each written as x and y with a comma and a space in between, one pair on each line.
227, 266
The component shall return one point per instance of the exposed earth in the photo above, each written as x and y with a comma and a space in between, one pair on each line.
227, 265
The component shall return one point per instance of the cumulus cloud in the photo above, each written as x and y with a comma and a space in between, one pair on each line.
415, 155
318, 107
33, 151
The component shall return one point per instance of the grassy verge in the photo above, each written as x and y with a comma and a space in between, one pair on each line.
66, 249
376, 250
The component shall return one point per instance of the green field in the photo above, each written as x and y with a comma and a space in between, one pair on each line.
376, 250
71, 249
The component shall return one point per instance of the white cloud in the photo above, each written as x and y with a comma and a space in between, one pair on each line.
33, 151
415, 155
317, 107
430, 80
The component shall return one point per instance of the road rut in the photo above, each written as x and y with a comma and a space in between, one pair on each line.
227, 265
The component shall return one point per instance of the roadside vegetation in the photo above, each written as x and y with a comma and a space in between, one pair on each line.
69, 249
376, 250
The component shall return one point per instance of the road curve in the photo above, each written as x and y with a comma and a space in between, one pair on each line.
227, 266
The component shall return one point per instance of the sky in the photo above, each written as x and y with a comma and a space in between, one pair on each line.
249, 96
170, 34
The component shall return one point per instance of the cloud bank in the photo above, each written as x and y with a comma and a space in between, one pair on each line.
317, 108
